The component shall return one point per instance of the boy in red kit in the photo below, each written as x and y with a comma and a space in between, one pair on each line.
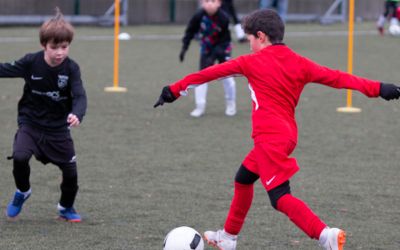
276, 76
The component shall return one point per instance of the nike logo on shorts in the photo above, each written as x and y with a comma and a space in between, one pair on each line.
270, 180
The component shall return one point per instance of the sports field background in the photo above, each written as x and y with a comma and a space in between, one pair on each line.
144, 171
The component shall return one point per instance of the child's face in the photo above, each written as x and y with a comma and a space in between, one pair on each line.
55, 53
255, 44
258, 43
211, 6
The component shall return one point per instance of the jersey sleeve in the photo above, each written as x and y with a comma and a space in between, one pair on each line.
17, 68
79, 100
339, 79
229, 68
191, 30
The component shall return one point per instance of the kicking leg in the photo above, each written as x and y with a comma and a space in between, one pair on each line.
304, 218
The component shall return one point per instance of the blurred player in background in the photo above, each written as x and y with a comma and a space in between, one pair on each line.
389, 13
281, 6
277, 76
229, 7
53, 101
215, 45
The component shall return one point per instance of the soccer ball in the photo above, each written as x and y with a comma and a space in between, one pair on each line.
183, 238
394, 30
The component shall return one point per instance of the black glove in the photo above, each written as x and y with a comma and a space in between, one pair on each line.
166, 96
389, 91
182, 55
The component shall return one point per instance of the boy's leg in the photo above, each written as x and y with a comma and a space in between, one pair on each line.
240, 35
230, 95
23, 148
200, 92
25, 145
229, 7
200, 98
69, 188
380, 24
282, 7
59, 150
69, 185
297, 211
223, 54
275, 169
21, 170
241, 203
304, 218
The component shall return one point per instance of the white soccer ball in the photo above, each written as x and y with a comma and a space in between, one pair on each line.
394, 30
183, 238
124, 36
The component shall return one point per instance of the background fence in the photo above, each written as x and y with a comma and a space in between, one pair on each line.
161, 11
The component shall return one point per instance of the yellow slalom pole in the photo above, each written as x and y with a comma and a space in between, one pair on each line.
350, 49
115, 87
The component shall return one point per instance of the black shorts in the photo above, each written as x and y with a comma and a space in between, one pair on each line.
47, 147
220, 53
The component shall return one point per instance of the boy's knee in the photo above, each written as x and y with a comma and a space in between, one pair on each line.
245, 176
276, 193
21, 157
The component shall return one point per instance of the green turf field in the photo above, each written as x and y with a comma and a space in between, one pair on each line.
144, 171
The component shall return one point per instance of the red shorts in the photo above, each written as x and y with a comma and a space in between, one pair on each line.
270, 160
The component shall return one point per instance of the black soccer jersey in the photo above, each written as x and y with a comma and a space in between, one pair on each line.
50, 93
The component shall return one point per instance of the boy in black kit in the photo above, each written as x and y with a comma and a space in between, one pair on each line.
53, 101
215, 45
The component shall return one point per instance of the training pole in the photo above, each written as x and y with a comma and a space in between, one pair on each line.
115, 87
349, 108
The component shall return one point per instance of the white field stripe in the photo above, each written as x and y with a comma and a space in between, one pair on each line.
329, 33
154, 37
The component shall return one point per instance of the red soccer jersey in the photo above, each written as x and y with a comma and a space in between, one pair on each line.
277, 76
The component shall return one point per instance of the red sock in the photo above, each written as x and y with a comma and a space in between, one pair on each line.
301, 215
240, 205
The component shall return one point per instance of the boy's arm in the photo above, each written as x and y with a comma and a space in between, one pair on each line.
172, 92
339, 79
79, 101
191, 30
15, 69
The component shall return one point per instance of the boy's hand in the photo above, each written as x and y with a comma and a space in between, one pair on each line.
73, 120
182, 55
389, 91
166, 96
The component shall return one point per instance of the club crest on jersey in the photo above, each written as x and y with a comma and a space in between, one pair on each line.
62, 81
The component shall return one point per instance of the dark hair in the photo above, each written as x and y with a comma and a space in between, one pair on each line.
56, 30
266, 21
